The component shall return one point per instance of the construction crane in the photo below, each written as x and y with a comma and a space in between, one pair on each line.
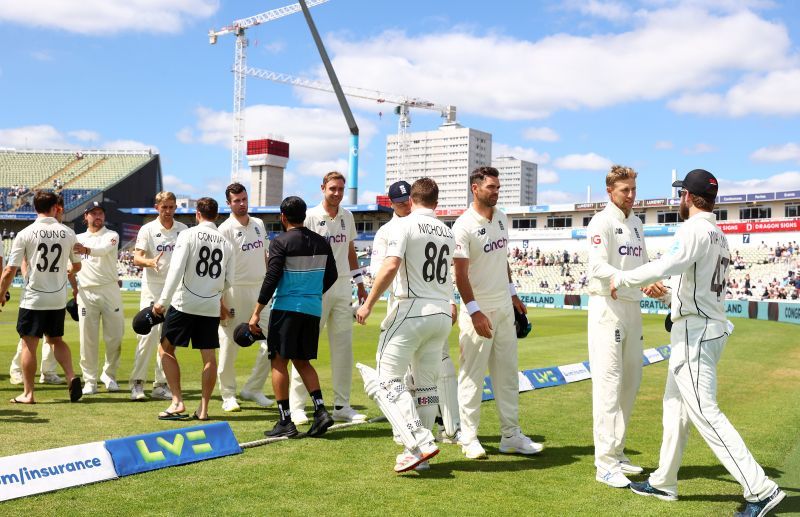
238, 28
402, 103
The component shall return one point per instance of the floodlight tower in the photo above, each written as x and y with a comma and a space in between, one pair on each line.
238, 28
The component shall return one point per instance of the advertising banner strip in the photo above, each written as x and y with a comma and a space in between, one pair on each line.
44, 471
539, 378
145, 452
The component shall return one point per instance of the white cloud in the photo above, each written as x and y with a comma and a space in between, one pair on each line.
481, 74
128, 145
700, 148
779, 182
48, 137
519, 152
368, 196
546, 176
177, 185
772, 94
609, 10
185, 135
777, 153
664, 145
104, 17
583, 162
544, 134
85, 135
553, 197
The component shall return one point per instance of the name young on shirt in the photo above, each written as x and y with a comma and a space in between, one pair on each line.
50, 234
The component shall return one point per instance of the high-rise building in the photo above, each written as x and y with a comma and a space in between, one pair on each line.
517, 181
447, 155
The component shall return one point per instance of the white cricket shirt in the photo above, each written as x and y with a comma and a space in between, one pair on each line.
99, 268
202, 266
250, 245
339, 231
46, 245
379, 245
153, 239
425, 244
698, 262
615, 242
485, 244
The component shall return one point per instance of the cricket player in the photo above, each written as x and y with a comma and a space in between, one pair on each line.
487, 334
418, 260
99, 299
47, 246
301, 268
249, 241
153, 252
615, 241
447, 382
202, 266
336, 224
698, 261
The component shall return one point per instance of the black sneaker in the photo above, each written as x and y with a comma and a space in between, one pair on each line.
282, 429
646, 489
762, 508
322, 421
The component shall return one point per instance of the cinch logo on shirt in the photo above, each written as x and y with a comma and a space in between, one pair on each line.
252, 245
633, 251
337, 239
495, 245
165, 247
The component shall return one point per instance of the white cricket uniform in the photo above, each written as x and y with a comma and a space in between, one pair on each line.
484, 242
250, 245
202, 266
153, 238
419, 320
337, 312
615, 243
99, 298
698, 261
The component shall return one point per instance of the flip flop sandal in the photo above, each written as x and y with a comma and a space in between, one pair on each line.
172, 415
195, 416
16, 401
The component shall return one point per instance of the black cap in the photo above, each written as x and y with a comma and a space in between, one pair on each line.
521, 324
91, 206
145, 320
243, 337
699, 182
72, 309
399, 191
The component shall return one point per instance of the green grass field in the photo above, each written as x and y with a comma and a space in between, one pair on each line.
349, 471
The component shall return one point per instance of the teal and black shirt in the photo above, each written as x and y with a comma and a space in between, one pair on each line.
300, 268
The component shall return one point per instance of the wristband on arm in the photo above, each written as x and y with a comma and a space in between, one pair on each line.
472, 307
357, 276
511, 289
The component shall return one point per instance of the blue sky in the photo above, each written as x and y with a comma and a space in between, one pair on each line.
573, 85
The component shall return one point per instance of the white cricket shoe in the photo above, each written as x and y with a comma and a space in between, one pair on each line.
161, 392
299, 417
51, 378
348, 414
259, 398
229, 405
111, 384
409, 460
473, 450
90, 388
15, 377
614, 479
520, 444
629, 468
443, 437
137, 391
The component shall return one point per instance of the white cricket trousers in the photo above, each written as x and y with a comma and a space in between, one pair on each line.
615, 360
148, 344
337, 316
499, 355
96, 304
49, 363
240, 301
691, 395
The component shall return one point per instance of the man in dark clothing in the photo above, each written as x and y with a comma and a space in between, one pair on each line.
300, 269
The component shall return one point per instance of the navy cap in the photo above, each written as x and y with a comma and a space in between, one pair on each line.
91, 206
243, 337
72, 308
144, 321
521, 324
699, 182
399, 191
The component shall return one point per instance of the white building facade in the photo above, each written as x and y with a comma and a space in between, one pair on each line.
517, 181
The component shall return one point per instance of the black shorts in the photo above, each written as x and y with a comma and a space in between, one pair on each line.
31, 322
179, 328
293, 335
